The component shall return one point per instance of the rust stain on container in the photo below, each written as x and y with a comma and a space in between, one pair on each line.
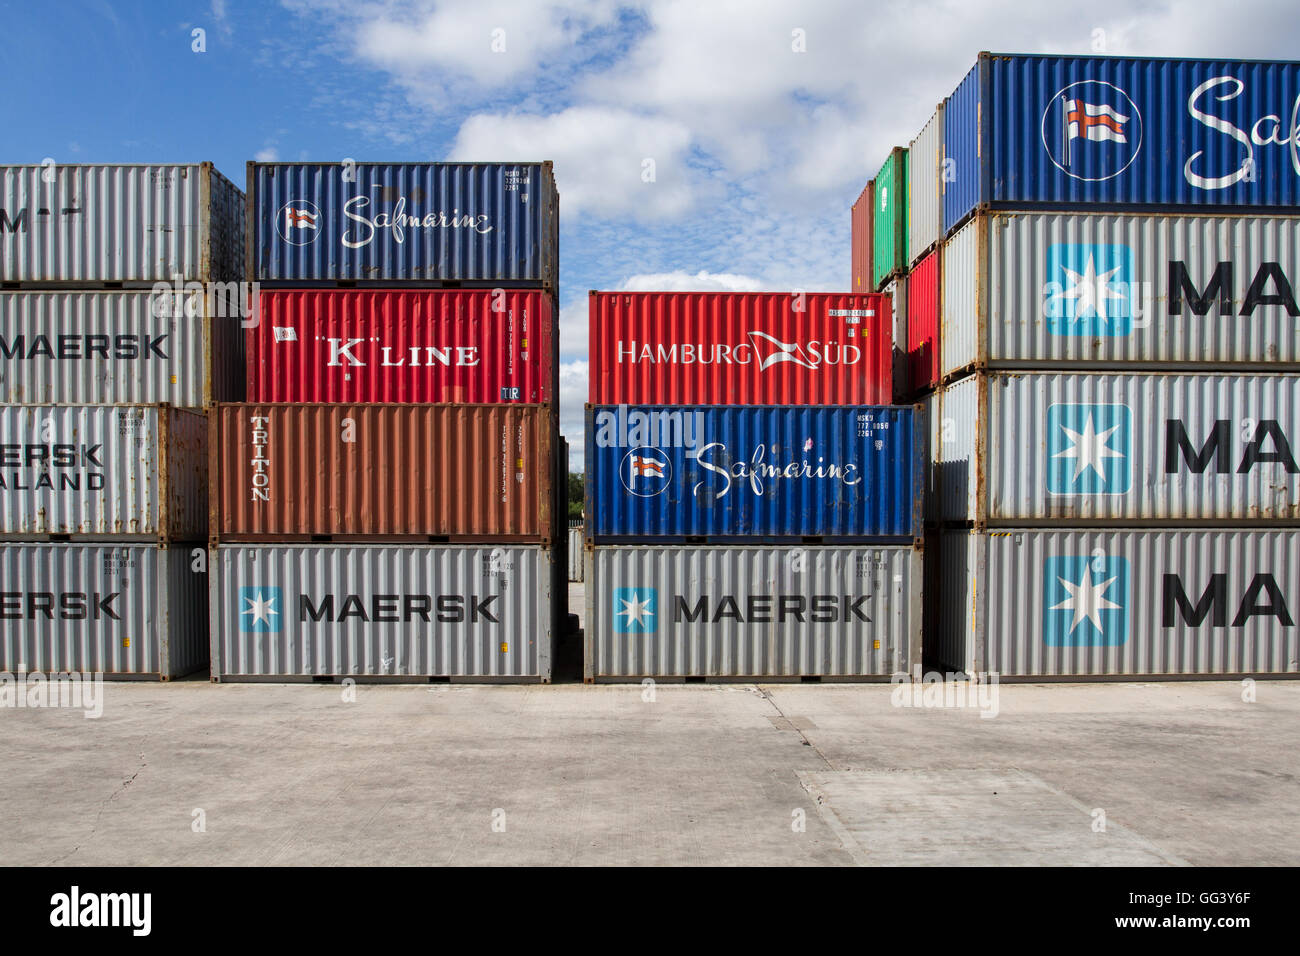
368, 471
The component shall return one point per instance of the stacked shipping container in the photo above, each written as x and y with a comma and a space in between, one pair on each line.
387, 500
752, 499
1113, 445
119, 322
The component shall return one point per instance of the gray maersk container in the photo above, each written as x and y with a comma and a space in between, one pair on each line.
575, 553
103, 471
129, 224
900, 369
738, 612
106, 348
1029, 448
113, 609
1134, 603
294, 612
1025, 289
925, 188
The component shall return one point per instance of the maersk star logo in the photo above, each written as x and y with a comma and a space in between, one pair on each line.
1089, 449
636, 610
1090, 290
1085, 601
259, 610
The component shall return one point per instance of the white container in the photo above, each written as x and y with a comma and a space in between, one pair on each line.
111, 609
1060, 448
103, 471
896, 289
735, 612
925, 188
397, 611
575, 555
108, 348
128, 224
1071, 603
1028, 289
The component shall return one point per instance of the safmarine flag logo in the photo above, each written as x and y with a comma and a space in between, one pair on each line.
1085, 601
645, 472
636, 610
1092, 130
260, 610
1090, 290
298, 222
1089, 449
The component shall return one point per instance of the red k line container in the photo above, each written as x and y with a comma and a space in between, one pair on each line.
923, 292
740, 348
365, 345
429, 473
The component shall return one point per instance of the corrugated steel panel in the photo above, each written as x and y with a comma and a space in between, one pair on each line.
332, 345
1072, 448
382, 611
119, 223
752, 612
925, 188
107, 348
103, 470
965, 290
889, 224
742, 348
115, 610
958, 442
896, 290
472, 471
1117, 131
575, 556
404, 222
931, 408
860, 226
923, 309
1108, 602
962, 149
724, 471
1111, 289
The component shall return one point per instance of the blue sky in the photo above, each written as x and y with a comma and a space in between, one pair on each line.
763, 119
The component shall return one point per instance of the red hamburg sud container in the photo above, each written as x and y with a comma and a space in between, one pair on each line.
740, 348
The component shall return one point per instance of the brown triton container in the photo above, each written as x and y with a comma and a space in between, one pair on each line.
284, 472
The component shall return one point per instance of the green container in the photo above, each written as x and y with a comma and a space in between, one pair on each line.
889, 228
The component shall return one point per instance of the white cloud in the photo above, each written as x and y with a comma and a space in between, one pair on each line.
268, 155
701, 281
599, 154
488, 42
573, 328
219, 18
573, 399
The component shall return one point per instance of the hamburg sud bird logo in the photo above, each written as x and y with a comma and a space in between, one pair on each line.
645, 472
1092, 130
298, 222
772, 351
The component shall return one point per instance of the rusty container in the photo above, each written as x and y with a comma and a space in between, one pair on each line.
352, 472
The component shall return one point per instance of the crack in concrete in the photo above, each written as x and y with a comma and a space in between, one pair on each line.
793, 727
102, 807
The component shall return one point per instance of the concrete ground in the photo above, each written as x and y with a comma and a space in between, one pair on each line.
193, 773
